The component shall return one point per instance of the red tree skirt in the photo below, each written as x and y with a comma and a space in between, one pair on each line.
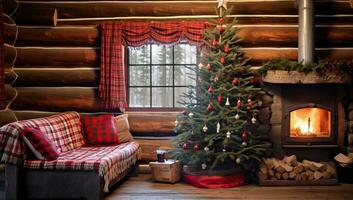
215, 181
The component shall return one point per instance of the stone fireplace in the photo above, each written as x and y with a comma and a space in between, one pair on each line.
308, 120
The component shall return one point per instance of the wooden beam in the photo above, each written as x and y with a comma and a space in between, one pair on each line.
57, 99
159, 8
58, 36
57, 56
7, 116
9, 6
10, 53
57, 77
152, 123
10, 33
241, 20
36, 16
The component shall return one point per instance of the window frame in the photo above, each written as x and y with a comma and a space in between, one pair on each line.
150, 65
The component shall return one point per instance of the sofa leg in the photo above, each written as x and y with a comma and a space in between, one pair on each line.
12, 182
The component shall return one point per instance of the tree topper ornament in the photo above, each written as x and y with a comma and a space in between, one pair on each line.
222, 3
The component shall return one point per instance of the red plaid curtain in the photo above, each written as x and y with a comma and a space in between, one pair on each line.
112, 86
2, 66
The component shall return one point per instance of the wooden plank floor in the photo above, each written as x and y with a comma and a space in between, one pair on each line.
142, 188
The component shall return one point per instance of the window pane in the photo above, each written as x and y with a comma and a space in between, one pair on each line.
162, 54
184, 54
139, 75
179, 95
162, 97
184, 76
139, 55
162, 75
139, 97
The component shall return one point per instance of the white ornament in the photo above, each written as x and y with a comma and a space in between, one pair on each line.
259, 103
215, 79
206, 149
192, 132
253, 120
218, 127
227, 102
176, 122
244, 144
204, 166
237, 160
224, 150
228, 134
200, 65
191, 115
237, 116
204, 129
249, 100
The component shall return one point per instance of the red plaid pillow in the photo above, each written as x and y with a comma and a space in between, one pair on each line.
39, 144
100, 129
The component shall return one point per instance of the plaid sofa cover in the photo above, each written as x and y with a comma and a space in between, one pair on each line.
109, 161
63, 129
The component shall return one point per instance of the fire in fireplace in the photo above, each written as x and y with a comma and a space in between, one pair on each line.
310, 122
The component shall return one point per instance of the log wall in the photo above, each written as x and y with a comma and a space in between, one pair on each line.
52, 54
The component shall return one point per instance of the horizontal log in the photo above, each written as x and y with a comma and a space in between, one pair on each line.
152, 123
7, 116
82, 99
90, 56
10, 77
57, 56
266, 36
149, 147
335, 7
161, 8
9, 6
241, 20
10, 53
31, 114
58, 36
10, 94
10, 32
36, 16
57, 77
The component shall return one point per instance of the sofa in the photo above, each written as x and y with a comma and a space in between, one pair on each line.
80, 170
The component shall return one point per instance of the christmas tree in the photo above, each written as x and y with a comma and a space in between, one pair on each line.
218, 125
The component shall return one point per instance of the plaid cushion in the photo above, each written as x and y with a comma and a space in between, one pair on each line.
63, 129
109, 161
39, 144
100, 129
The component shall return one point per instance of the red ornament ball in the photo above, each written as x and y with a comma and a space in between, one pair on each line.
250, 104
209, 68
219, 98
214, 42
210, 89
239, 104
220, 20
185, 146
220, 28
222, 60
209, 107
244, 135
196, 147
235, 81
226, 49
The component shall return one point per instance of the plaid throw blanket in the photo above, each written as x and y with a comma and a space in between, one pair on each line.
63, 129
109, 161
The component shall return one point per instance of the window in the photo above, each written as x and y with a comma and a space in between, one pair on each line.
159, 74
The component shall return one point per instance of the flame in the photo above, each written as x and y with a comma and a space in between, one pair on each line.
315, 122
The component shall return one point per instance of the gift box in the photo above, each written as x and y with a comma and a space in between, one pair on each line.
168, 171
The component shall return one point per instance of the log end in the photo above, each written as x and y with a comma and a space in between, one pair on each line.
55, 17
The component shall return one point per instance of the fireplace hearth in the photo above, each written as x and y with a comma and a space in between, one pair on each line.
307, 119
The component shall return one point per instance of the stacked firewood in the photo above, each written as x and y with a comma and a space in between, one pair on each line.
289, 168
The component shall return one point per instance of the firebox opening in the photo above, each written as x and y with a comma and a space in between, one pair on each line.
310, 122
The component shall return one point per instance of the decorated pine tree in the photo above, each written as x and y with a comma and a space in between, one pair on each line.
218, 125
